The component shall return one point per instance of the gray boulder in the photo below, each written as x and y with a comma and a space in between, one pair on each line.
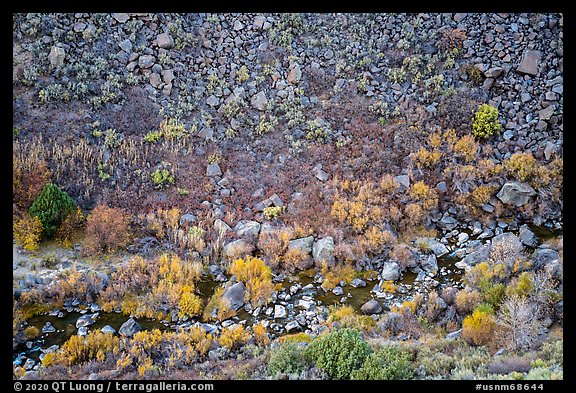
56, 56
454, 335
430, 264
371, 307
234, 296
390, 271
259, 101
481, 254
433, 245
247, 228
304, 244
530, 62
356, 283
129, 328
515, 193
544, 256
323, 250
236, 248
108, 329
527, 237
213, 170
279, 311
48, 328
165, 40
85, 320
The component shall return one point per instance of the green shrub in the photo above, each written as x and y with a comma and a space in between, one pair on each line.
339, 352
385, 363
51, 206
485, 121
162, 178
492, 293
288, 358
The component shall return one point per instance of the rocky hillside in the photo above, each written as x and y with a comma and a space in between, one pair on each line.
286, 159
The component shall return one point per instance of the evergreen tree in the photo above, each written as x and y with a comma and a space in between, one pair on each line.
51, 206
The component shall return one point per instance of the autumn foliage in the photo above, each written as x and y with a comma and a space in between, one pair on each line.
256, 276
107, 229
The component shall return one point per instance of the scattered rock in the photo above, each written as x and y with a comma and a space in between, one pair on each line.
108, 329
247, 228
530, 62
292, 326
234, 296
371, 307
279, 311
338, 291
390, 271
527, 237
56, 56
323, 250
129, 328
516, 193
356, 283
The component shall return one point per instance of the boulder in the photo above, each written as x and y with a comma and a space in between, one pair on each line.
221, 226
82, 331
433, 245
165, 40
292, 326
371, 307
390, 271
279, 311
338, 291
259, 101
213, 170
146, 61
454, 335
129, 328
541, 257
430, 264
403, 180
530, 62
237, 248
56, 56
187, 219
516, 193
294, 74
304, 244
85, 320
247, 228
481, 254
508, 240
527, 237
323, 250
108, 329
121, 17
48, 328
234, 296
358, 283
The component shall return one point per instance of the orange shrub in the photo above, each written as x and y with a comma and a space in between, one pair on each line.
466, 147
107, 229
260, 334
29, 176
71, 224
466, 301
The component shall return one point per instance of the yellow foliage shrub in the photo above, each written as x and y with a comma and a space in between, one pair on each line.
28, 231
189, 304
333, 275
78, 349
234, 336
466, 147
256, 276
261, 334
522, 165
481, 195
426, 159
347, 317
477, 329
